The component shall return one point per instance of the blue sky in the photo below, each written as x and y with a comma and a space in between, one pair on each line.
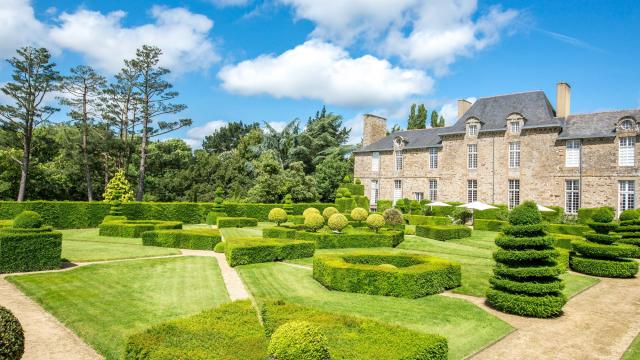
276, 60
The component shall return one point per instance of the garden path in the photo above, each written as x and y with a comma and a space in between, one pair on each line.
45, 336
235, 286
599, 323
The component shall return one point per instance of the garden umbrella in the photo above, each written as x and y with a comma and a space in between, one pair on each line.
477, 205
438, 203
544, 208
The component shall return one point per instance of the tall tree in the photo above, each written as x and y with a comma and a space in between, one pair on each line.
83, 87
227, 137
411, 121
156, 94
434, 119
34, 76
421, 117
441, 121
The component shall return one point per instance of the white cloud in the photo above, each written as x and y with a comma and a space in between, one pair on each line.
357, 127
322, 71
196, 135
19, 27
106, 42
278, 125
449, 111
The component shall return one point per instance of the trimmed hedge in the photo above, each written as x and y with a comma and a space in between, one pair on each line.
298, 340
229, 222
231, 331
24, 250
623, 268
442, 210
585, 214
356, 338
564, 241
200, 239
257, 250
542, 306
427, 220
348, 238
135, 228
386, 273
629, 230
6, 223
212, 217
488, 225
605, 251
443, 232
501, 213
346, 204
11, 336
553, 217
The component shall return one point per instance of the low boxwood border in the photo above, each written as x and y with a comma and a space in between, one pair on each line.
443, 232
258, 250
135, 228
604, 268
369, 272
200, 239
230, 222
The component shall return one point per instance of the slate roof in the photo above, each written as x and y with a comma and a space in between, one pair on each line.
416, 139
595, 125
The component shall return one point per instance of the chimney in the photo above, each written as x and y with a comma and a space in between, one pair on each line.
563, 99
375, 128
463, 106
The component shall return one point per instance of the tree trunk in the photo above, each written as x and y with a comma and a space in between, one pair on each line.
143, 152
85, 155
26, 156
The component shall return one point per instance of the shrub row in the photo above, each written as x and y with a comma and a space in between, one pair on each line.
427, 220
568, 229
488, 225
443, 232
348, 238
135, 228
256, 250
501, 213
229, 222
620, 268
585, 214
200, 239
22, 251
386, 273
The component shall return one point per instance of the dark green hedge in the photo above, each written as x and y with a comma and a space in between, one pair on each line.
356, 338
441, 210
200, 239
525, 272
212, 217
443, 232
542, 306
5, 223
354, 189
299, 208
279, 232
568, 229
542, 286
603, 251
352, 238
585, 214
501, 213
256, 211
386, 273
29, 251
135, 228
488, 225
524, 230
553, 217
427, 220
231, 332
345, 205
622, 268
257, 250
520, 243
229, 222
523, 256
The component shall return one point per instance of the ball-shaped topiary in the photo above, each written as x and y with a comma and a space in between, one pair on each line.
298, 340
393, 217
631, 214
603, 215
28, 220
313, 222
359, 214
375, 221
525, 214
11, 336
337, 222
329, 211
309, 211
278, 216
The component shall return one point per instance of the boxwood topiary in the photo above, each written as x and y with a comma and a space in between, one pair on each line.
219, 248
309, 211
629, 229
278, 216
11, 336
28, 220
525, 280
313, 222
328, 212
298, 340
393, 217
602, 215
337, 222
359, 214
630, 214
375, 221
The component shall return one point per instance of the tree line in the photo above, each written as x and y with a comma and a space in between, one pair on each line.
114, 123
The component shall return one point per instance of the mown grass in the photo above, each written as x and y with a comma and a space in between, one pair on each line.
467, 327
105, 303
633, 352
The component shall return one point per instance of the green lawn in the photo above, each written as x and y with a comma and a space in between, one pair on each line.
467, 327
104, 303
633, 352
86, 245
235, 233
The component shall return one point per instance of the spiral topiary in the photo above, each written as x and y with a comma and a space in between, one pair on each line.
599, 255
629, 229
309, 211
313, 222
298, 340
11, 336
278, 216
525, 280
359, 214
329, 211
393, 217
375, 222
28, 220
337, 222
629, 215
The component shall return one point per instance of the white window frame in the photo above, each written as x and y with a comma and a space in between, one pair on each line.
433, 158
472, 129
375, 192
397, 190
626, 195
472, 190
571, 196
626, 151
375, 161
419, 195
399, 160
627, 124
433, 189
572, 153
472, 156
514, 127
514, 193
514, 155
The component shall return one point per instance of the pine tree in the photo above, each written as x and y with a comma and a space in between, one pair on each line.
421, 117
441, 121
411, 121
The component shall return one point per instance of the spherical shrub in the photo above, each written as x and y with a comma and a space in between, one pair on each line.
337, 222
359, 214
11, 336
343, 193
313, 222
358, 181
525, 214
298, 340
375, 221
328, 212
631, 214
278, 216
603, 215
393, 217
219, 248
309, 211
28, 220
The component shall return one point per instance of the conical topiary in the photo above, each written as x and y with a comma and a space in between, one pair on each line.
598, 255
525, 280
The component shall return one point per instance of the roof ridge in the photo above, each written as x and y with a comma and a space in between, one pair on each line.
509, 94
604, 112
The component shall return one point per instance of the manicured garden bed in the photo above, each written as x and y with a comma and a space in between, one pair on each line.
135, 228
197, 239
24, 250
348, 238
257, 250
443, 232
231, 222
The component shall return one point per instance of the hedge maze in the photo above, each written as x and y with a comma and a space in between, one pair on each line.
135, 228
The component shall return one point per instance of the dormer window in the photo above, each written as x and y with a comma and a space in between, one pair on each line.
627, 124
514, 127
472, 130
514, 123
